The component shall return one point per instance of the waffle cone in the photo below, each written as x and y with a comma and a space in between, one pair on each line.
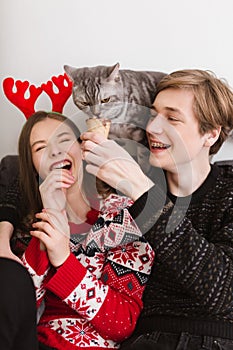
99, 125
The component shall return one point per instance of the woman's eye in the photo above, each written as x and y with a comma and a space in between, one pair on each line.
65, 140
105, 100
39, 148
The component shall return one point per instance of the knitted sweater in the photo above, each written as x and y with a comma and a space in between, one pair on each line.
191, 285
94, 299
190, 288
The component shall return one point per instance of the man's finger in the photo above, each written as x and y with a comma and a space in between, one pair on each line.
93, 136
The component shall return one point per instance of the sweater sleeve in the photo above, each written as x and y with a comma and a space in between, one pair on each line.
112, 303
192, 258
115, 225
9, 202
37, 263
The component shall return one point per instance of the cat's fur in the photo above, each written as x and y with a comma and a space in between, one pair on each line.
124, 96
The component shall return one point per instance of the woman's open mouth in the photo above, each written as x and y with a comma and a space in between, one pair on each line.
65, 164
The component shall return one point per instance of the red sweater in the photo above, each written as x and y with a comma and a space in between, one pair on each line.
94, 299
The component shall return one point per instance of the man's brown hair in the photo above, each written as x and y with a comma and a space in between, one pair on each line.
213, 100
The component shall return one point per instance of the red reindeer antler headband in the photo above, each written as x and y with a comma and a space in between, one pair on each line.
27, 105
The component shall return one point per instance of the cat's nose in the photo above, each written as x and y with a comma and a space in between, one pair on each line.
96, 111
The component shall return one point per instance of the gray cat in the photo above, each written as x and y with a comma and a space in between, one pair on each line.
124, 96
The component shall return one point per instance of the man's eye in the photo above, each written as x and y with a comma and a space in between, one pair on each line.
105, 100
172, 119
153, 113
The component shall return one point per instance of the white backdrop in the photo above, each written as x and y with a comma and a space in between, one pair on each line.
38, 37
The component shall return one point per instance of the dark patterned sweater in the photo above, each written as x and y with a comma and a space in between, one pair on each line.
191, 286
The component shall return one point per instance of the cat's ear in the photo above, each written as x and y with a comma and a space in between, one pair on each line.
70, 71
114, 73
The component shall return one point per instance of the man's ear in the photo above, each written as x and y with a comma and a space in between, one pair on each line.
212, 136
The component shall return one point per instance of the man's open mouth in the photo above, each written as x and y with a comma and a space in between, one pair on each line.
159, 145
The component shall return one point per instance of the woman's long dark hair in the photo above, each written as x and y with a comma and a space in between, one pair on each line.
29, 178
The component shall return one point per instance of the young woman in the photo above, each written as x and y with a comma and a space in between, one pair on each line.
186, 213
86, 270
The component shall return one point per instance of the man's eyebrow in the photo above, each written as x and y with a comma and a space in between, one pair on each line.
167, 108
172, 109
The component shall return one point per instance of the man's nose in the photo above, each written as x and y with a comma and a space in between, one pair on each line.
156, 125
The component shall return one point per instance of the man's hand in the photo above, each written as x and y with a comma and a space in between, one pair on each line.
111, 163
6, 230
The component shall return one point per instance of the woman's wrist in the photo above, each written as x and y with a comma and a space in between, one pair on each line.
57, 264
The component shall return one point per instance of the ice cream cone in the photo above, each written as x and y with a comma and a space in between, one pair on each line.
99, 125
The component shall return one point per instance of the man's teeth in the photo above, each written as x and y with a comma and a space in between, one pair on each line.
159, 145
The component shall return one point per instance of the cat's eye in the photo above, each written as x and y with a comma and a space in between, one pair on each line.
105, 100
85, 104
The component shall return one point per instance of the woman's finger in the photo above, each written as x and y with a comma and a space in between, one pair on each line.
57, 219
43, 226
57, 177
42, 236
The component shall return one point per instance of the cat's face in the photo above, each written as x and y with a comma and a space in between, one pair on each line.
98, 91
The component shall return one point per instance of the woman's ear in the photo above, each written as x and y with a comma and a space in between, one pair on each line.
212, 136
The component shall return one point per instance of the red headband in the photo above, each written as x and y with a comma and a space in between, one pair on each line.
27, 105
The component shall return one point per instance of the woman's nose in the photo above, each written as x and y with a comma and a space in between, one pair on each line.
55, 151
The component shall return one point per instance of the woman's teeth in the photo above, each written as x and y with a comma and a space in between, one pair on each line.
62, 165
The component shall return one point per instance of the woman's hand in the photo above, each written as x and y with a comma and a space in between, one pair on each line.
54, 232
112, 164
53, 189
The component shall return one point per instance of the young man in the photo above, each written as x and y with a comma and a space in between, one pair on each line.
185, 212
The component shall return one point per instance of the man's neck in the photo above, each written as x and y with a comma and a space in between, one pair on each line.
187, 179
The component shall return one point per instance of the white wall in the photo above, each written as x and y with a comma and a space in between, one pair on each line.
38, 37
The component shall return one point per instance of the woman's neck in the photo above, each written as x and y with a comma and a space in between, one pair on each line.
187, 179
77, 205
